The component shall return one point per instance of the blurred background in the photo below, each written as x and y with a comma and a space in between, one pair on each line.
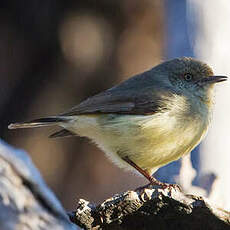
54, 54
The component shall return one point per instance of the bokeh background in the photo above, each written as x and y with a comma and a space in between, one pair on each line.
54, 54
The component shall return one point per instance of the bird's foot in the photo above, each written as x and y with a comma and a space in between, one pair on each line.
162, 185
171, 186
150, 178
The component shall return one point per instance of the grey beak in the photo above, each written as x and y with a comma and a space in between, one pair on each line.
211, 80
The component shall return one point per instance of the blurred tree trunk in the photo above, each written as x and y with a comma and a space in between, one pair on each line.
25, 200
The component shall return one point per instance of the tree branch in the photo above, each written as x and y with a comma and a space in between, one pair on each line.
151, 207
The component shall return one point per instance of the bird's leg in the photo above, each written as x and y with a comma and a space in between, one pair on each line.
150, 178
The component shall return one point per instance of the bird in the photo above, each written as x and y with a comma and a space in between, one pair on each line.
147, 121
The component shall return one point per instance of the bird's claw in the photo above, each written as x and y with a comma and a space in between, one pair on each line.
171, 186
161, 186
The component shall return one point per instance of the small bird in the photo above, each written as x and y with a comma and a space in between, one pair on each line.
147, 121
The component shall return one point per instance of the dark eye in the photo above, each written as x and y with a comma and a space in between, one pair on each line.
188, 77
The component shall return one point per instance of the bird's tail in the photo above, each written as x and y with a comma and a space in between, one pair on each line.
41, 122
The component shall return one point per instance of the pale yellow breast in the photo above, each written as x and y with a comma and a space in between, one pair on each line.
149, 140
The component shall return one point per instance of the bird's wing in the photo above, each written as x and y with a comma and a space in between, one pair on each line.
137, 95
121, 102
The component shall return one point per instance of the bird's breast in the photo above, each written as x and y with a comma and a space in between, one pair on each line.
149, 140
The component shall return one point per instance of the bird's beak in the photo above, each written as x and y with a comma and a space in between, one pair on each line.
211, 80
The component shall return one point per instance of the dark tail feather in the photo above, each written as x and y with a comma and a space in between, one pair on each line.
62, 133
41, 122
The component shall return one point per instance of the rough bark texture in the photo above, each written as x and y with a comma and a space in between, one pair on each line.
151, 208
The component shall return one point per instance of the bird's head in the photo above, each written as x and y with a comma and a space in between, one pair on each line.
191, 77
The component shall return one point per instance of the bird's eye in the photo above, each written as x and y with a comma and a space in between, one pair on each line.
188, 77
